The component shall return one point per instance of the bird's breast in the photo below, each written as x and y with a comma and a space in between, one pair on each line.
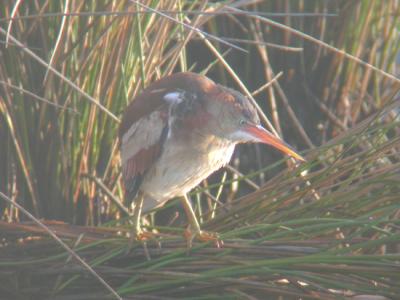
182, 166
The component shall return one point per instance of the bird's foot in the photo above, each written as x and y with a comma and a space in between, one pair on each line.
138, 235
144, 236
207, 236
204, 236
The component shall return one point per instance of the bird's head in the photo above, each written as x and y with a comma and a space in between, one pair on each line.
234, 117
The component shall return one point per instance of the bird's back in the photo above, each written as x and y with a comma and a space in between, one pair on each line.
151, 99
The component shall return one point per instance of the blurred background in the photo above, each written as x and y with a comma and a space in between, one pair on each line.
326, 75
52, 135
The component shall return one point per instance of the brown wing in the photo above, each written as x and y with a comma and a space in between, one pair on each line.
141, 146
142, 133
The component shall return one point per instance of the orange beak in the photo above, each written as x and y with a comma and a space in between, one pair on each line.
264, 136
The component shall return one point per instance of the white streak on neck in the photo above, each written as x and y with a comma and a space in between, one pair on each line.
174, 97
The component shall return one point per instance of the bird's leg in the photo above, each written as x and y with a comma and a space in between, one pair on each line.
190, 214
137, 214
194, 225
137, 233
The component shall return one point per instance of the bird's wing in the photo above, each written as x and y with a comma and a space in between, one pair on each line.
141, 145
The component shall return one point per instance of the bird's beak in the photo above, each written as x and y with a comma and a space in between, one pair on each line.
261, 135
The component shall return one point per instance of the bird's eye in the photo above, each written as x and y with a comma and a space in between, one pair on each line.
242, 122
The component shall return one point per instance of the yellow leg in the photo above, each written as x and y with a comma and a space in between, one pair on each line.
137, 214
190, 214
194, 225
137, 233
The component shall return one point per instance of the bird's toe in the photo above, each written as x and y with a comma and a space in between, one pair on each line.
204, 236
207, 236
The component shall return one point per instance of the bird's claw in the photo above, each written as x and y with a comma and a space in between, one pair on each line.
144, 236
139, 236
204, 236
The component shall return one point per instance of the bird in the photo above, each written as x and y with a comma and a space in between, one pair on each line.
177, 132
